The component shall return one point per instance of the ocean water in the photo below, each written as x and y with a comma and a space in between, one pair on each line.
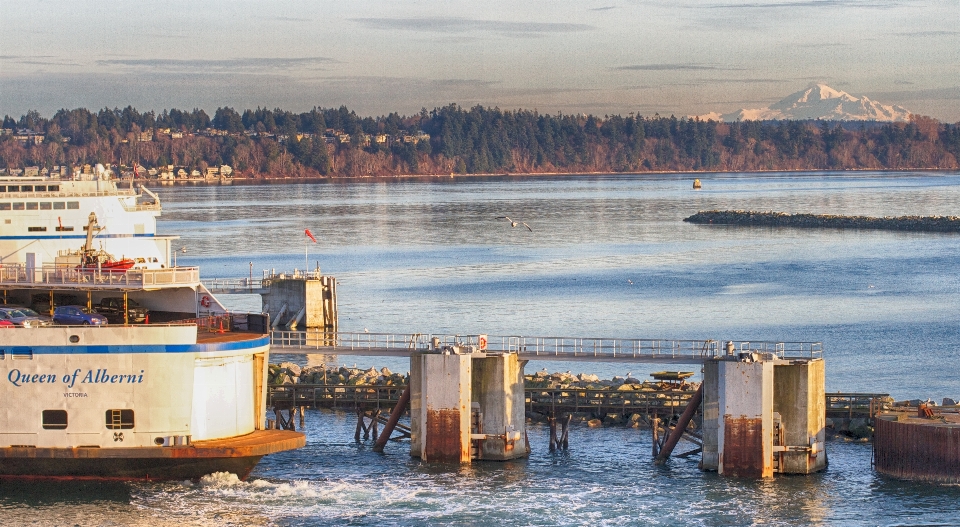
608, 257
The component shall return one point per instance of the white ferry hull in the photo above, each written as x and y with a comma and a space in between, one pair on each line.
150, 401
133, 402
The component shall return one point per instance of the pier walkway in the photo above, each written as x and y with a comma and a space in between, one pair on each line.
657, 351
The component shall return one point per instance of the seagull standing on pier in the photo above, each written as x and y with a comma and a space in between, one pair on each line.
514, 223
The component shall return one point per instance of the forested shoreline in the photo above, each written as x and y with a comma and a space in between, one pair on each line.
332, 142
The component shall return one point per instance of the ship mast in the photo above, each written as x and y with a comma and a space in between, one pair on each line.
87, 246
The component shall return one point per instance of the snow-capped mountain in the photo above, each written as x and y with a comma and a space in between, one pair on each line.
819, 102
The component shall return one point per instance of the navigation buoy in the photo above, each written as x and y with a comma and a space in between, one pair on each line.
696, 184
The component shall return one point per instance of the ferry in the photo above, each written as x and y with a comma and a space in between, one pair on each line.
180, 395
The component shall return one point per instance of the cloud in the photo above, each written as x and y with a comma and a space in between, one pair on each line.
674, 67
460, 25
928, 34
805, 3
948, 93
604, 8
238, 65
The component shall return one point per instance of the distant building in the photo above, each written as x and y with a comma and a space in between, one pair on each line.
28, 137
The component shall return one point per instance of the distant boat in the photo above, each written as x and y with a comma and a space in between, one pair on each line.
696, 184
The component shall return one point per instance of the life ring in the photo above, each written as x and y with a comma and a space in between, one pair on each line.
205, 301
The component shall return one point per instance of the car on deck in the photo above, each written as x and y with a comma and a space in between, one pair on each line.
23, 316
77, 316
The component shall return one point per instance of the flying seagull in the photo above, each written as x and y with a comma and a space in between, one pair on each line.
515, 223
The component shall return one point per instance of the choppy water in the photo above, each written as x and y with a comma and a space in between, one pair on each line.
608, 256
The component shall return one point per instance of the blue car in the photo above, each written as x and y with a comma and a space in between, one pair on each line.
77, 316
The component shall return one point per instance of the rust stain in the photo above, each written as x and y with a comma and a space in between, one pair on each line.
443, 437
917, 450
743, 448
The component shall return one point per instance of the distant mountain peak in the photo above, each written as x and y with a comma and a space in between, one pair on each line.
820, 102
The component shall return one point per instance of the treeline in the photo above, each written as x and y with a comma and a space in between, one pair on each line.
337, 142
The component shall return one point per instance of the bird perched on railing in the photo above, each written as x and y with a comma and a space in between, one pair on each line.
514, 223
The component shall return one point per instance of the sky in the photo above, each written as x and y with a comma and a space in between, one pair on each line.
599, 57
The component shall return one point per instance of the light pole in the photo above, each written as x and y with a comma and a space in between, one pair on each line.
250, 283
181, 250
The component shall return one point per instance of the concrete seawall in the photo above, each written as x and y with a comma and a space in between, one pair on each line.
826, 221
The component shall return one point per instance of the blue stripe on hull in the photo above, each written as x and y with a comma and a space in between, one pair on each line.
76, 236
134, 348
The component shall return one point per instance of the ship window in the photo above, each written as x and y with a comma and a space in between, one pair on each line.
40, 188
18, 206
32, 205
46, 205
26, 188
53, 188
3, 188
59, 205
119, 419
54, 419
4, 206
36, 229
73, 204
65, 229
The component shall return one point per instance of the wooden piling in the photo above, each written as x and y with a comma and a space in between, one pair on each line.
553, 433
356, 435
655, 435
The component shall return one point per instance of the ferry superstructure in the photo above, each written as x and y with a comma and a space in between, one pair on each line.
177, 398
46, 217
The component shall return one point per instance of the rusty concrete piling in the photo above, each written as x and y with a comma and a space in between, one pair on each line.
466, 404
763, 415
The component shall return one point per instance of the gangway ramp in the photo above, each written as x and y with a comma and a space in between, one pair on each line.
658, 351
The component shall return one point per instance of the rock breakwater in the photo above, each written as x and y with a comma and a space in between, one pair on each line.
826, 221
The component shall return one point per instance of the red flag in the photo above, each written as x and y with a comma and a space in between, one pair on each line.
309, 235
136, 173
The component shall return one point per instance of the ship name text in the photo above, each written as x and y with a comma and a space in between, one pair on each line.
98, 376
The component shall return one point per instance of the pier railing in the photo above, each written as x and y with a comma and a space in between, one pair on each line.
258, 285
552, 348
21, 275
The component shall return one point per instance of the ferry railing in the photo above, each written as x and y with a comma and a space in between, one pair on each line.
537, 347
227, 322
54, 275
